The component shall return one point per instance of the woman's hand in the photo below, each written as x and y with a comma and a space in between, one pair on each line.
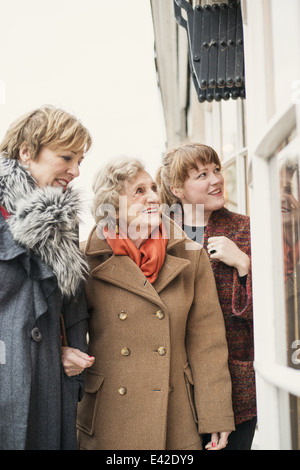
219, 440
74, 361
225, 250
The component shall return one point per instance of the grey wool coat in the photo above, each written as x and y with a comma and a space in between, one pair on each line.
160, 377
38, 402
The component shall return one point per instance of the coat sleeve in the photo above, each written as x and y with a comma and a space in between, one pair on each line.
236, 297
208, 354
242, 295
75, 318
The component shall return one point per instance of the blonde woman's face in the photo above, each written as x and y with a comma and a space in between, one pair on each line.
55, 168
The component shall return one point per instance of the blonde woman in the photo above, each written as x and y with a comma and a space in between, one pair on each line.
43, 310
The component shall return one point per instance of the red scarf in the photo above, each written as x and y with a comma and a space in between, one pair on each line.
4, 213
151, 255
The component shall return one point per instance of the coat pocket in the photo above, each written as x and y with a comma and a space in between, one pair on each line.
87, 408
189, 383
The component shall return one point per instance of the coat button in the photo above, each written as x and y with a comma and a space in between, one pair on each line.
162, 351
125, 352
122, 390
36, 335
160, 314
122, 315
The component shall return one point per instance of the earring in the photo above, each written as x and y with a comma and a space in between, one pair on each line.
25, 165
117, 228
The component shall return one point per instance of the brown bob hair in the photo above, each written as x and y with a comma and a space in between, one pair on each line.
176, 165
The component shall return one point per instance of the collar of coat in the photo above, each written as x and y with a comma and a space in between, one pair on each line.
43, 221
123, 272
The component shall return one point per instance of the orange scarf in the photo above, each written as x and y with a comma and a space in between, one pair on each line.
151, 255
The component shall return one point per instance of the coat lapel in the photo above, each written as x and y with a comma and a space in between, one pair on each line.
171, 268
123, 272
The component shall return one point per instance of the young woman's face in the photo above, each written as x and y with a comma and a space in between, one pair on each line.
204, 186
140, 208
54, 167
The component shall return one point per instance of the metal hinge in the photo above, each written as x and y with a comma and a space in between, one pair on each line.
216, 48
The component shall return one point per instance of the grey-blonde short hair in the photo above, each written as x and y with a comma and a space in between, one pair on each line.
45, 126
109, 183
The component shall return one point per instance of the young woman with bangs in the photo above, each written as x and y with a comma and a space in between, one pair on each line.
191, 183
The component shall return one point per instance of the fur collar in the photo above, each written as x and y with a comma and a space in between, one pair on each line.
44, 220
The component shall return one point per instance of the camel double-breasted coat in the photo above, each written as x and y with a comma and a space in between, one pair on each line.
160, 376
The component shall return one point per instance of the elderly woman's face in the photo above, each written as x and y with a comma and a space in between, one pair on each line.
139, 208
53, 167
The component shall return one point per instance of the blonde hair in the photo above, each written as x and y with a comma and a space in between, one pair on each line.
176, 165
45, 126
109, 183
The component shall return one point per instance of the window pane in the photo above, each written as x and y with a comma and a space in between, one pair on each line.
290, 216
290, 212
229, 128
229, 174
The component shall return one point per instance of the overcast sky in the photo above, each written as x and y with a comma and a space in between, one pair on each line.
93, 58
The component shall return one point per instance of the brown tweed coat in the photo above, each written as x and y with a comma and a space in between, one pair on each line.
160, 377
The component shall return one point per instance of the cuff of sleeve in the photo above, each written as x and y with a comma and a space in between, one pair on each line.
216, 424
242, 297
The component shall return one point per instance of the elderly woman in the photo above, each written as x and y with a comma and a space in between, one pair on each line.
41, 272
191, 181
160, 377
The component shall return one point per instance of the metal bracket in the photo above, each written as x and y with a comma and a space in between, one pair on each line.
216, 51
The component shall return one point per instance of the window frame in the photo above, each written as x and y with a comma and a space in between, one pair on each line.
239, 155
275, 380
